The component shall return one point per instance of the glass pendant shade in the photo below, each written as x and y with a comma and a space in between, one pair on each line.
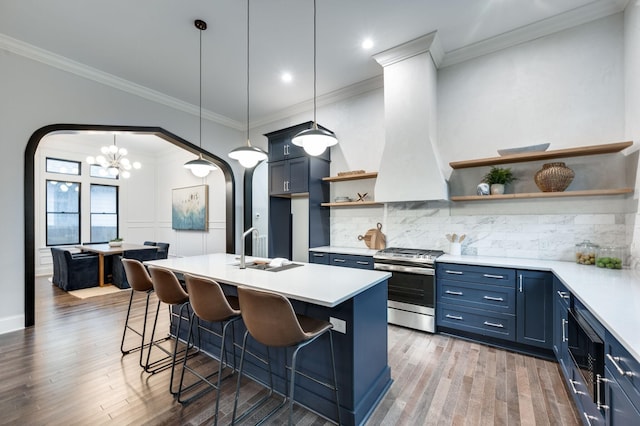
314, 140
248, 156
200, 167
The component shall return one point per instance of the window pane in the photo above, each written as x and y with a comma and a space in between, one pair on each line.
104, 212
104, 199
63, 166
63, 197
63, 228
104, 227
63, 214
97, 170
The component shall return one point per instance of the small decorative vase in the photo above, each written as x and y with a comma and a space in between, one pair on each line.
497, 189
554, 177
483, 189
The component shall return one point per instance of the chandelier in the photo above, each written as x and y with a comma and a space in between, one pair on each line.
114, 161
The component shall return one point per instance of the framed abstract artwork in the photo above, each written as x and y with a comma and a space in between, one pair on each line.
190, 208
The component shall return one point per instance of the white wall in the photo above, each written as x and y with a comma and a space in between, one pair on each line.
35, 95
566, 88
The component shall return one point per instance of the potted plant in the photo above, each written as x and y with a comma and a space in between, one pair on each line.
497, 178
116, 242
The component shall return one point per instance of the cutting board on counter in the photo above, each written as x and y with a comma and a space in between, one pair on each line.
374, 238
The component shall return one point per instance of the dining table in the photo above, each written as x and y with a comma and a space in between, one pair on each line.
106, 249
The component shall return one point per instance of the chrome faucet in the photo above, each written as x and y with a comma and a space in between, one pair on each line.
244, 237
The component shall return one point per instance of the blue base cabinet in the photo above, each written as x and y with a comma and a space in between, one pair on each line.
343, 260
561, 297
512, 308
622, 384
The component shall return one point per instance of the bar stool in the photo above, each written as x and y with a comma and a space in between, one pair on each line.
169, 291
140, 282
271, 321
209, 303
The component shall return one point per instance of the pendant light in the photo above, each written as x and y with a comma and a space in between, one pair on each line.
248, 156
200, 167
314, 140
114, 161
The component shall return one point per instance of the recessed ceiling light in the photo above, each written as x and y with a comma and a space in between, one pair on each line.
286, 77
367, 43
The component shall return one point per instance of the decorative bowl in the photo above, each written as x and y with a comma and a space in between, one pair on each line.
343, 199
519, 150
115, 243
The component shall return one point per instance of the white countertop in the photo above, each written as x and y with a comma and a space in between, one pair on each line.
318, 284
612, 296
345, 250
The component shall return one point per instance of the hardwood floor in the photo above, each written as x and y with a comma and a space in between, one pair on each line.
68, 370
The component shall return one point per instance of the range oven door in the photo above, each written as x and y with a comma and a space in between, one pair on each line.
411, 298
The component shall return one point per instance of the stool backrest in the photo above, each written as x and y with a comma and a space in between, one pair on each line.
208, 300
270, 318
167, 287
137, 275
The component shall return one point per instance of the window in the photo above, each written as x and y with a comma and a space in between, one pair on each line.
55, 165
96, 170
104, 212
63, 212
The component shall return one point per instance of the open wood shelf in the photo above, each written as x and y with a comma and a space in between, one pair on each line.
543, 155
351, 204
591, 192
369, 175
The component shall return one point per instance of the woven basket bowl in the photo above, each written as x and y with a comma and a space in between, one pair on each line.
554, 177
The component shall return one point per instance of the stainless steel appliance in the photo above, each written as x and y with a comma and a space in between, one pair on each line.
411, 301
586, 348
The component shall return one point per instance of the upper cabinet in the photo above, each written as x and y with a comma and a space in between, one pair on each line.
541, 156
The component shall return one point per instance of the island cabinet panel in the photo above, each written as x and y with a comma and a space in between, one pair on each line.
561, 297
364, 375
535, 308
513, 308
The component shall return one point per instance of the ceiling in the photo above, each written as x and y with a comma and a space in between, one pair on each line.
154, 44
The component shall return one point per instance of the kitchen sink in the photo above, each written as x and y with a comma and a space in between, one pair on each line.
266, 267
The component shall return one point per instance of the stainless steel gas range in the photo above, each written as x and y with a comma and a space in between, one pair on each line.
411, 301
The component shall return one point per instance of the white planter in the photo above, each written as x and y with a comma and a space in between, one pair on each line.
115, 243
497, 189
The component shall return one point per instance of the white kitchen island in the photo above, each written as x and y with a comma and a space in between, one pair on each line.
356, 297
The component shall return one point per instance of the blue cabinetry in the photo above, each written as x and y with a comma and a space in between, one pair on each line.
343, 260
535, 308
561, 297
502, 303
622, 384
292, 173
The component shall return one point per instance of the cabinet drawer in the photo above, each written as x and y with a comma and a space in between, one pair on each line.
495, 324
317, 257
482, 296
587, 410
477, 274
624, 367
351, 261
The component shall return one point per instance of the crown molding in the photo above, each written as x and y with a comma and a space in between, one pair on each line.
65, 64
581, 15
347, 92
427, 43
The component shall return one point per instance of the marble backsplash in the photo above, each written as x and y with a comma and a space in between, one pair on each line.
535, 236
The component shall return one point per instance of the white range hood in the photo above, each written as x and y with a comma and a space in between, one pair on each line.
410, 169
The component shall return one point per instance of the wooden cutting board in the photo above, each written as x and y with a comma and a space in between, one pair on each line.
374, 238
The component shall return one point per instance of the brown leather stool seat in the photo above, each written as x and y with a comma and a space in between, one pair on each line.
271, 320
210, 304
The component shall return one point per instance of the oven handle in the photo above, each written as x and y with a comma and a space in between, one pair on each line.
407, 269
